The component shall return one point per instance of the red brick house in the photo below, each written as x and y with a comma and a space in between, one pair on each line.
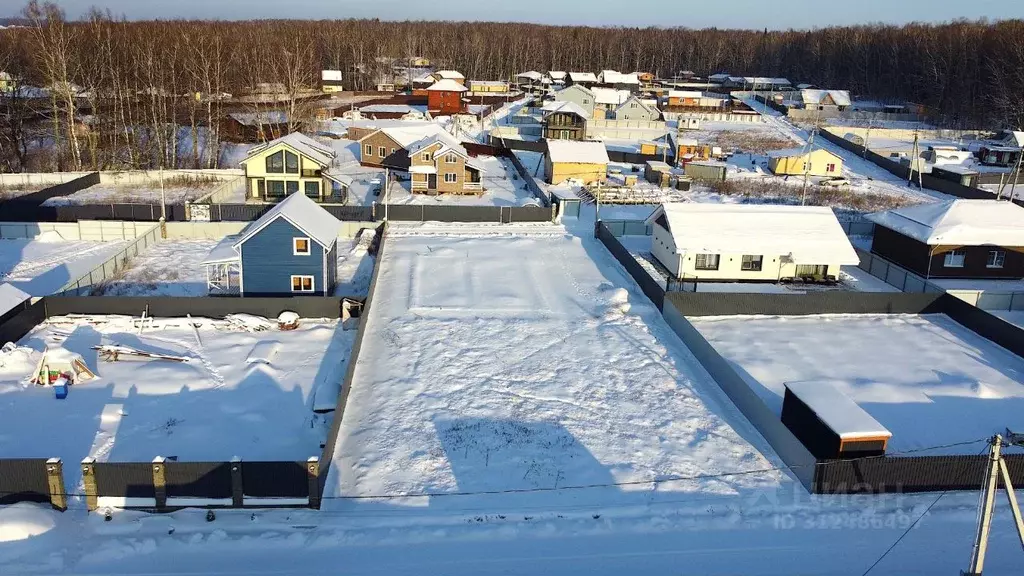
445, 98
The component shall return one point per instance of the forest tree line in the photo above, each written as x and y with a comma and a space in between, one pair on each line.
140, 78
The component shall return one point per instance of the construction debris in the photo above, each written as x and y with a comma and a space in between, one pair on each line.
59, 363
112, 352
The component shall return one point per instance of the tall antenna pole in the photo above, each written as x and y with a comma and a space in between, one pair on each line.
913, 160
996, 470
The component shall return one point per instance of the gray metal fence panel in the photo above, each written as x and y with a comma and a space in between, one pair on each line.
125, 479
733, 304
197, 479
648, 285
211, 307
275, 479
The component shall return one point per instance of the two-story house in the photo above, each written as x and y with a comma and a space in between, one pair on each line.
291, 164
580, 95
636, 109
564, 121
440, 165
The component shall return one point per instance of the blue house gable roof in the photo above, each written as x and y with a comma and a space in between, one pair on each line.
302, 213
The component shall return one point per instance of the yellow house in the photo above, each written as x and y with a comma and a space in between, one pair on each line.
586, 162
485, 87
291, 164
749, 242
6, 82
331, 81
798, 161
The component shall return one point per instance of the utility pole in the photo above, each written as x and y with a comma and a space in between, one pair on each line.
867, 139
163, 204
597, 217
1016, 174
807, 166
387, 191
913, 160
997, 469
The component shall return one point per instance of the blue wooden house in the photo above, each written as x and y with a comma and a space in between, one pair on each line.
291, 250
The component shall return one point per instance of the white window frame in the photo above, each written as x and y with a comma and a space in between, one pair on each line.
295, 245
426, 156
312, 283
749, 258
383, 152
450, 158
950, 259
368, 150
454, 179
1000, 259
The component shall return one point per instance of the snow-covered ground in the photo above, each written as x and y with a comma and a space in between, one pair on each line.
927, 379
975, 284
47, 263
240, 393
169, 268
141, 194
501, 184
355, 265
499, 362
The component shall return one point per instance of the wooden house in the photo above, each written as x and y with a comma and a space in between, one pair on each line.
439, 164
290, 250
800, 161
974, 239
564, 121
585, 162
292, 164
580, 95
636, 109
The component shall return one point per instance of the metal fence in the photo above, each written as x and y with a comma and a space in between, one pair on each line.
449, 213
894, 474
27, 480
164, 485
251, 211
650, 287
27, 208
114, 266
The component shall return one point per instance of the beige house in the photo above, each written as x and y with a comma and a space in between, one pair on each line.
749, 242
291, 164
440, 165
799, 161
585, 162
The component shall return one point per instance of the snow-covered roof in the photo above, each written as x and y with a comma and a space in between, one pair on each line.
719, 77
1014, 137
844, 416
804, 234
449, 75
610, 96
304, 214
649, 106
815, 97
407, 136
564, 106
577, 152
224, 251
531, 75
424, 79
957, 223
446, 85
792, 152
557, 75
320, 153
684, 94
447, 141
260, 118
576, 88
391, 109
613, 77
11, 297
582, 77
422, 170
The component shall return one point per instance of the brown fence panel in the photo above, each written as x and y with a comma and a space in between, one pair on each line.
275, 479
124, 479
198, 479
896, 474
23, 480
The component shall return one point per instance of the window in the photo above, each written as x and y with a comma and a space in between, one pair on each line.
261, 189
706, 262
300, 247
275, 163
291, 186
392, 150
955, 259
830, 168
302, 283
383, 152
368, 150
752, 263
586, 100
275, 188
291, 163
312, 189
996, 259
451, 177
426, 156
450, 158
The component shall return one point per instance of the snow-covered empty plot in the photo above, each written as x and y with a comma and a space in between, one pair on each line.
45, 264
527, 359
169, 268
239, 393
927, 379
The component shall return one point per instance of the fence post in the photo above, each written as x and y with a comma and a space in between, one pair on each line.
89, 482
159, 482
237, 490
313, 479
55, 480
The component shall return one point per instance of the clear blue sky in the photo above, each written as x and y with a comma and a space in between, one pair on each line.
778, 14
